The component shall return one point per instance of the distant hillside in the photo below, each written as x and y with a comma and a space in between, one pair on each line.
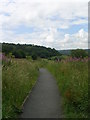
65, 52
68, 52
23, 50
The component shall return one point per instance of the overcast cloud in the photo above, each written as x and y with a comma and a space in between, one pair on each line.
51, 23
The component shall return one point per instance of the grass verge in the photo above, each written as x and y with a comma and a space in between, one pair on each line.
18, 78
72, 80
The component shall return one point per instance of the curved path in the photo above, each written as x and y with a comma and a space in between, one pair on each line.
44, 100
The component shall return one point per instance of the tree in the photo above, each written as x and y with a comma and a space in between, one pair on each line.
19, 54
34, 57
23, 50
79, 53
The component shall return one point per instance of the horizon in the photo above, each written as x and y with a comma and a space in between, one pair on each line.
54, 24
44, 46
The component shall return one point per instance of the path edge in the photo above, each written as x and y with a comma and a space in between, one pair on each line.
22, 105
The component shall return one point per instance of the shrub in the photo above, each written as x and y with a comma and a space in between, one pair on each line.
79, 53
34, 57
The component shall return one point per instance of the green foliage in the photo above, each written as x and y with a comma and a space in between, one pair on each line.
18, 80
61, 57
6, 61
10, 55
79, 53
72, 80
55, 58
34, 57
64, 57
5, 64
28, 57
19, 54
23, 50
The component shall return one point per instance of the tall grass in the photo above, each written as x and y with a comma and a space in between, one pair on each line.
18, 78
72, 80
20, 75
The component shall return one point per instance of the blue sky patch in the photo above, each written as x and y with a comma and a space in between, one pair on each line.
22, 29
5, 13
74, 29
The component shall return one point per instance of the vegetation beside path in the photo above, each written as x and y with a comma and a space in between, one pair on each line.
19, 76
71, 73
72, 80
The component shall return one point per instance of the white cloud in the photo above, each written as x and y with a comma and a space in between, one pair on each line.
52, 38
36, 12
77, 40
80, 21
47, 15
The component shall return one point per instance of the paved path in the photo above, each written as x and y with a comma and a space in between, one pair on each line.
44, 100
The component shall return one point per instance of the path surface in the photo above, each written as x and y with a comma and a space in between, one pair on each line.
44, 100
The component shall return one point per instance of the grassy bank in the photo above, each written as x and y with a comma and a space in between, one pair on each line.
72, 80
18, 78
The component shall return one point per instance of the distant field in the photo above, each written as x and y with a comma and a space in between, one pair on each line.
18, 79
72, 80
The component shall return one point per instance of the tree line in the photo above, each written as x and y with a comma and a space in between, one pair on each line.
24, 50
34, 51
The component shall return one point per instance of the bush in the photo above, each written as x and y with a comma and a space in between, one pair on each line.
79, 53
34, 57
28, 57
19, 54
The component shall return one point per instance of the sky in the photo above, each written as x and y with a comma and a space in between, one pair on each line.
50, 23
